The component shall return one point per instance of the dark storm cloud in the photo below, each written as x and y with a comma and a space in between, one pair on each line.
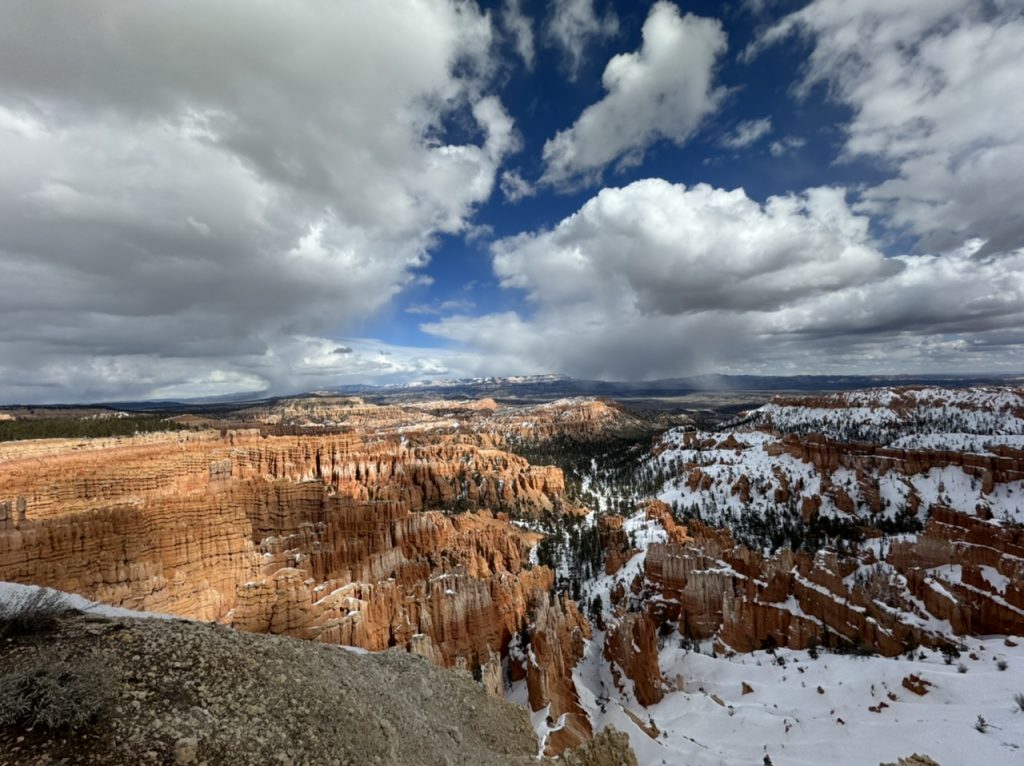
204, 198
213, 186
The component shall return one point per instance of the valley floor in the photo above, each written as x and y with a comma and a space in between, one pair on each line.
805, 712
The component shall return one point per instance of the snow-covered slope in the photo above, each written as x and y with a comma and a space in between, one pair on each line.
738, 480
882, 415
805, 712
12, 594
911, 543
801, 708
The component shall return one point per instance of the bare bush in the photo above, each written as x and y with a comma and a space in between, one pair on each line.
35, 612
55, 694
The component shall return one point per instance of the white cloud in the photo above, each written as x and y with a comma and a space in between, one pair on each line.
929, 85
747, 133
515, 187
785, 145
573, 25
757, 7
955, 293
444, 307
662, 91
668, 249
520, 27
656, 279
181, 196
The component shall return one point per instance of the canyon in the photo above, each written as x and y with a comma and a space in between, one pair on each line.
386, 534
588, 594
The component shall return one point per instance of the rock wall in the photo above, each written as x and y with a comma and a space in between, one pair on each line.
826, 455
631, 648
59, 479
556, 634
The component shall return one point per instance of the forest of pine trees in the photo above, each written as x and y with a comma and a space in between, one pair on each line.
81, 428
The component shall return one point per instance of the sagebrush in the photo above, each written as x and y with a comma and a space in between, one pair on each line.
35, 612
52, 693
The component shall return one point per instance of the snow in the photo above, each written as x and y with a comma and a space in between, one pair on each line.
708, 721
904, 416
12, 593
786, 718
995, 578
719, 505
973, 443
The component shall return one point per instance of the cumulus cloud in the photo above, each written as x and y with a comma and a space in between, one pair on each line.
520, 26
661, 91
656, 279
747, 133
181, 196
929, 86
662, 248
573, 26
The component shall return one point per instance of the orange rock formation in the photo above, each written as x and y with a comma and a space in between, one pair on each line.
327, 537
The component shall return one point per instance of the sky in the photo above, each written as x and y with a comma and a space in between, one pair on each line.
201, 198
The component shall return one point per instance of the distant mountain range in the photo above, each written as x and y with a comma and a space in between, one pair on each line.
536, 388
556, 386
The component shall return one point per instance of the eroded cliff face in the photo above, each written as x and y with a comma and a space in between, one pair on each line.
580, 418
963, 573
631, 649
59, 477
321, 537
963, 570
1004, 465
556, 633
954, 566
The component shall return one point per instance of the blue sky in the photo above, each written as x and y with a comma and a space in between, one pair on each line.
252, 196
544, 100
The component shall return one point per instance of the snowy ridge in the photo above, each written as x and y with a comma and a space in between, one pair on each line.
748, 454
883, 415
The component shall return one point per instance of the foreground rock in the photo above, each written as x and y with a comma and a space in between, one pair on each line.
181, 692
609, 748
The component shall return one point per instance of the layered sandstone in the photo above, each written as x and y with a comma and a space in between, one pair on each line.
631, 649
961, 569
615, 542
330, 537
549, 648
1006, 464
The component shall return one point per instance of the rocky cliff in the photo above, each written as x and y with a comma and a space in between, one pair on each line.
328, 537
176, 692
962, 571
